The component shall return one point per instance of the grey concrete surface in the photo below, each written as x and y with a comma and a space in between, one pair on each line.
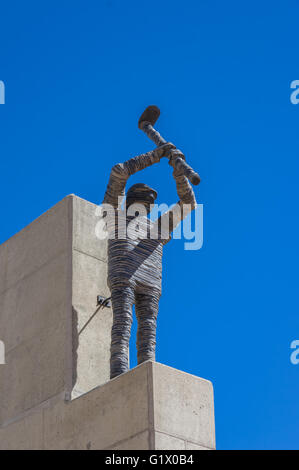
140, 441
32, 305
35, 245
91, 342
167, 442
50, 275
195, 422
107, 415
123, 414
35, 371
25, 434
84, 229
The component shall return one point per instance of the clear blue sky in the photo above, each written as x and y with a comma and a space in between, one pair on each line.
77, 76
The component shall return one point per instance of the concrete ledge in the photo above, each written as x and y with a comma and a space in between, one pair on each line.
150, 407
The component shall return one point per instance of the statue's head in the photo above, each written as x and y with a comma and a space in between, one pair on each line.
140, 193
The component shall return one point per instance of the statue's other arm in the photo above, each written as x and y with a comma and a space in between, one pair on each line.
186, 203
121, 172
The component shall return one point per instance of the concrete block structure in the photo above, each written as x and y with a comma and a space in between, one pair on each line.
55, 391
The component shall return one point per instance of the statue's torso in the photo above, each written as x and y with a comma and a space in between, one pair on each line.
134, 256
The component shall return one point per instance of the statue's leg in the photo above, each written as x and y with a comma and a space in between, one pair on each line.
146, 306
122, 301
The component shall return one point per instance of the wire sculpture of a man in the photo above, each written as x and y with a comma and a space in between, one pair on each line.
135, 262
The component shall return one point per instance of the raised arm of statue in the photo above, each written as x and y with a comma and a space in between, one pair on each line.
187, 202
121, 172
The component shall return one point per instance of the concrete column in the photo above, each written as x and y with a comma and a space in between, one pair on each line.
50, 275
55, 391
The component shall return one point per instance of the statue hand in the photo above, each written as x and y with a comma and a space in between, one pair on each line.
163, 151
174, 154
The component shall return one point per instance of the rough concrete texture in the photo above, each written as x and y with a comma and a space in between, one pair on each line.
91, 353
50, 275
176, 390
111, 413
25, 434
124, 414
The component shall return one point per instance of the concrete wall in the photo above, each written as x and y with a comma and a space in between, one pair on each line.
91, 344
50, 275
150, 407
